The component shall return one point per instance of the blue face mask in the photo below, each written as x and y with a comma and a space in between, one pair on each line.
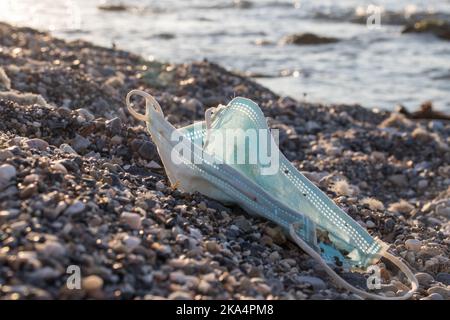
232, 157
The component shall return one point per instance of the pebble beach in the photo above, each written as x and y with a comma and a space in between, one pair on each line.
82, 184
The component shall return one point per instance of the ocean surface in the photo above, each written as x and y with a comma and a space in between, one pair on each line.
375, 65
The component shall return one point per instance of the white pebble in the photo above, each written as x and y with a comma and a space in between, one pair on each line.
7, 172
76, 207
133, 220
413, 245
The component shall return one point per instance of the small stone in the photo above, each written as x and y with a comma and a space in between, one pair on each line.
37, 143
422, 184
212, 246
147, 150
202, 206
274, 256
433, 296
5, 154
398, 180
116, 140
413, 245
64, 111
28, 191
443, 278
92, 283
51, 249
370, 224
58, 167
204, 286
243, 224
19, 226
312, 126
9, 214
444, 292
443, 210
45, 273
160, 186
389, 225
131, 242
7, 172
276, 234
76, 207
80, 143
180, 295
67, 149
86, 114
424, 278
133, 220
316, 283
114, 126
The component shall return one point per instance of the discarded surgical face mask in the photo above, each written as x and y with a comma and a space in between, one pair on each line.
204, 157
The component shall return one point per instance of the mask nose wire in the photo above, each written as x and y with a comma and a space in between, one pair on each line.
344, 284
148, 100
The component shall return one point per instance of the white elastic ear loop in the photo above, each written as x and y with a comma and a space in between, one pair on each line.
208, 116
344, 284
148, 99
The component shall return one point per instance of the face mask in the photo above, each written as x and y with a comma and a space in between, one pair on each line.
232, 157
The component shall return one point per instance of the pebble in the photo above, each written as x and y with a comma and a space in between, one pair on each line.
212, 246
36, 143
433, 296
160, 186
5, 155
86, 114
443, 278
8, 214
147, 150
274, 256
180, 295
51, 249
92, 283
444, 292
7, 172
424, 278
80, 143
316, 283
131, 242
28, 191
133, 220
67, 149
243, 224
443, 210
58, 167
76, 207
398, 180
422, 184
114, 126
413, 245
202, 206
370, 224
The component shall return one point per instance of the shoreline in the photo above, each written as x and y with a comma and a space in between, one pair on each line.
82, 184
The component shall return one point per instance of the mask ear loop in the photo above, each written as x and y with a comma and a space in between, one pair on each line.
344, 284
148, 99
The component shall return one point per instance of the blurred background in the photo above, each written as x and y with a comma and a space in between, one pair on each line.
343, 61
